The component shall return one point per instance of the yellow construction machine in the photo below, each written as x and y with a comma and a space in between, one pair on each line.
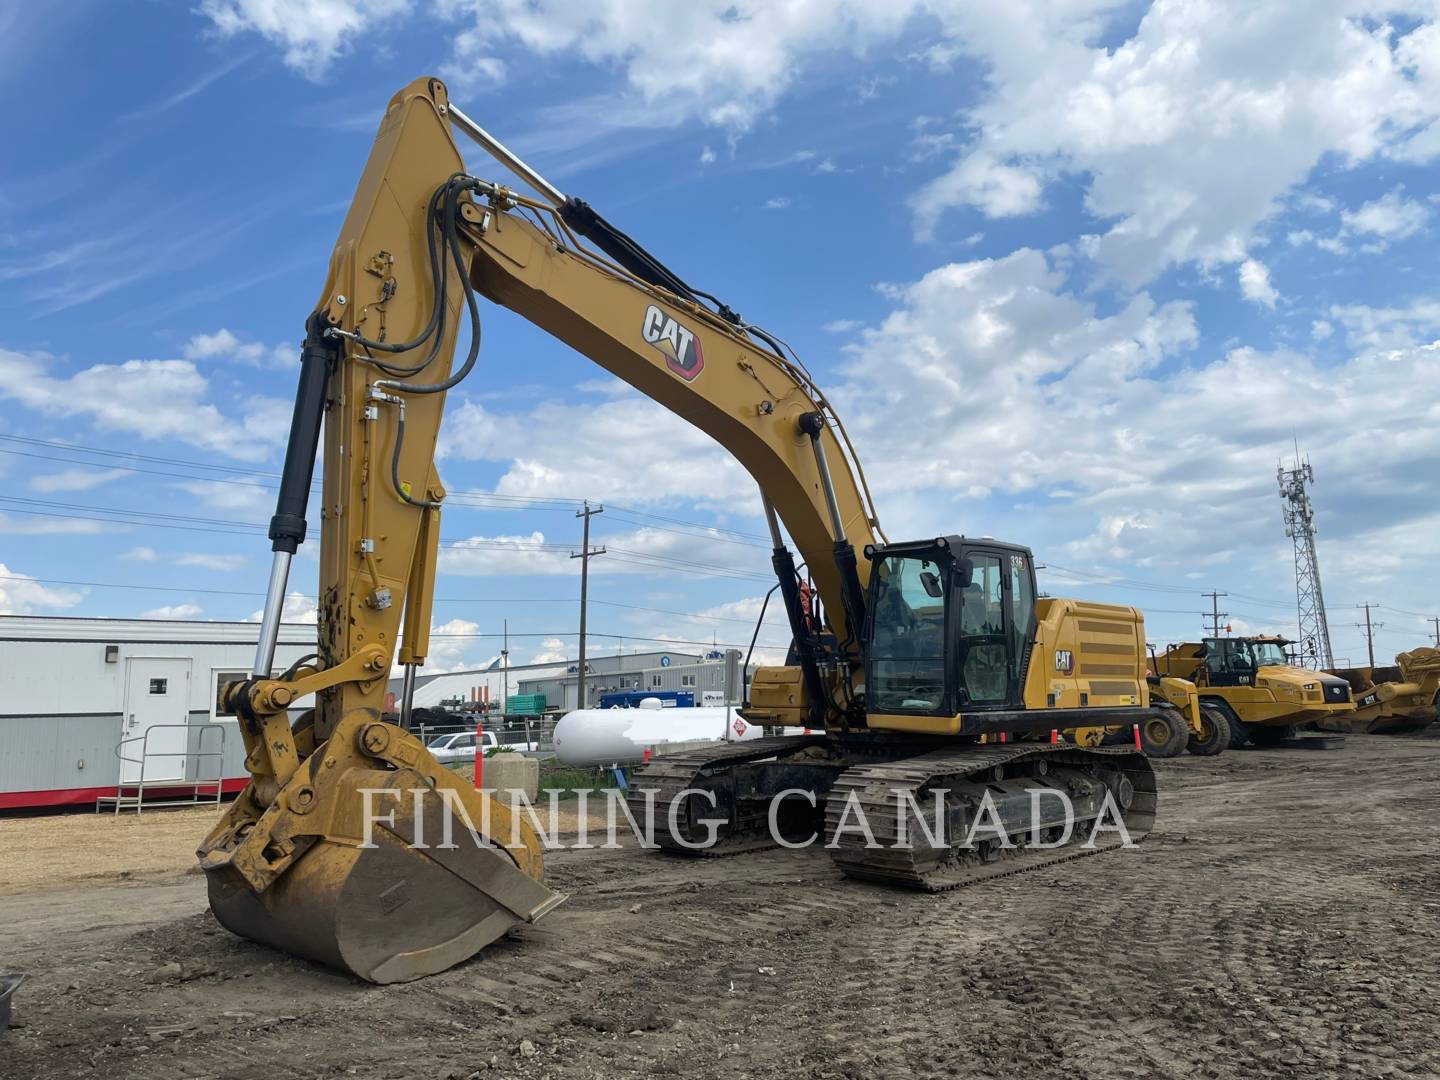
1392, 700
915, 652
1205, 731
1251, 682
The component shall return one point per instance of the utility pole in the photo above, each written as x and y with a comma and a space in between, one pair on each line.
584, 555
1309, 600
1369, 629
1436, 621
1215, 613
505, 669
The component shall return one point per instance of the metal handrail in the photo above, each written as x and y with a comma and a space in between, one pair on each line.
195, 783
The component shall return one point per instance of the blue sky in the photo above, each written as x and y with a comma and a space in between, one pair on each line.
1077, 274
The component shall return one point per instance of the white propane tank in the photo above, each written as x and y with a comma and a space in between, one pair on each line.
621, 736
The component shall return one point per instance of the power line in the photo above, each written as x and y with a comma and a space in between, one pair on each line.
180, 589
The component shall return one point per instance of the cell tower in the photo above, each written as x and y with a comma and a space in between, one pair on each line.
1309, 600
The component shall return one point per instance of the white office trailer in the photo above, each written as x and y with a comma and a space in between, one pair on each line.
89, 705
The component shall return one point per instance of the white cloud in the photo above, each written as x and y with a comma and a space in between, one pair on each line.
591, 451
777, 202
151, 399
707, 156
841, 326
1255, 283
1388, 328
481, 556
173, 611
551, 651
211, 561
1188, 135
297, 608
22, 525
450, 643
75, 479
1321, 330
1372, 227
245, 501
722, 62
203, 559
21, 594
312, 32
972, 353
224, 345
997, 188
647, 551
1390, 217
1090, 429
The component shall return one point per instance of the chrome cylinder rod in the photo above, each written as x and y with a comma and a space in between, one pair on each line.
270, 619
773, 521
837, 523
407, 696
498, 150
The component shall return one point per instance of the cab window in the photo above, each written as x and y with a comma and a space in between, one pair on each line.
907, 653
1022, 609
984, 655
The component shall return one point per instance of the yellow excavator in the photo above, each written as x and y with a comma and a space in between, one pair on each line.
929, 672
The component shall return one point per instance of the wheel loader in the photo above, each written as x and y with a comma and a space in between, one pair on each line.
922, 665
1250, 681
1392, 700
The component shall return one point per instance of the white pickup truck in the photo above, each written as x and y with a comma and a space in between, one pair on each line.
461, 746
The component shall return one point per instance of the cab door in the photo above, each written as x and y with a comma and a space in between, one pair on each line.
982, 624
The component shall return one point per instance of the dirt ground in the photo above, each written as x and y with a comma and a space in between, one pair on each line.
1282, 920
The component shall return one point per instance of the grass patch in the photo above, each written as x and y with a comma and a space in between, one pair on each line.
571, 779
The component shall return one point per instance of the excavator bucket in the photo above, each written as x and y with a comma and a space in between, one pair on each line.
423, 888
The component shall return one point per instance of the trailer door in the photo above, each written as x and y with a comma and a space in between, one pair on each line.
157, 700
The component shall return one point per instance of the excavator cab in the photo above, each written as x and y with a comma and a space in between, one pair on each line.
949, 628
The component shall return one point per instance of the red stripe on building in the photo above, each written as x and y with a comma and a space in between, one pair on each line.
15, 800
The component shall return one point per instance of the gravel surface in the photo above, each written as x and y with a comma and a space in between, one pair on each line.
1282, 920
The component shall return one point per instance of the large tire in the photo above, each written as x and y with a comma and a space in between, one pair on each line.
1164, 732
1271, 735
1214, 737
1239, 730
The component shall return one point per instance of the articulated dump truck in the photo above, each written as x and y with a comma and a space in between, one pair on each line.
1392, 700
1251, 682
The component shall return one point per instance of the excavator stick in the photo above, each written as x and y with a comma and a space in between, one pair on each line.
351, 845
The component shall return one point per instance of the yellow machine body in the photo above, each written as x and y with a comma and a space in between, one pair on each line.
1261, 694
302, 861
288, 864
1392, 700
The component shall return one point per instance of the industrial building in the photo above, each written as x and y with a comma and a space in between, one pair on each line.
715, 672
85, 699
